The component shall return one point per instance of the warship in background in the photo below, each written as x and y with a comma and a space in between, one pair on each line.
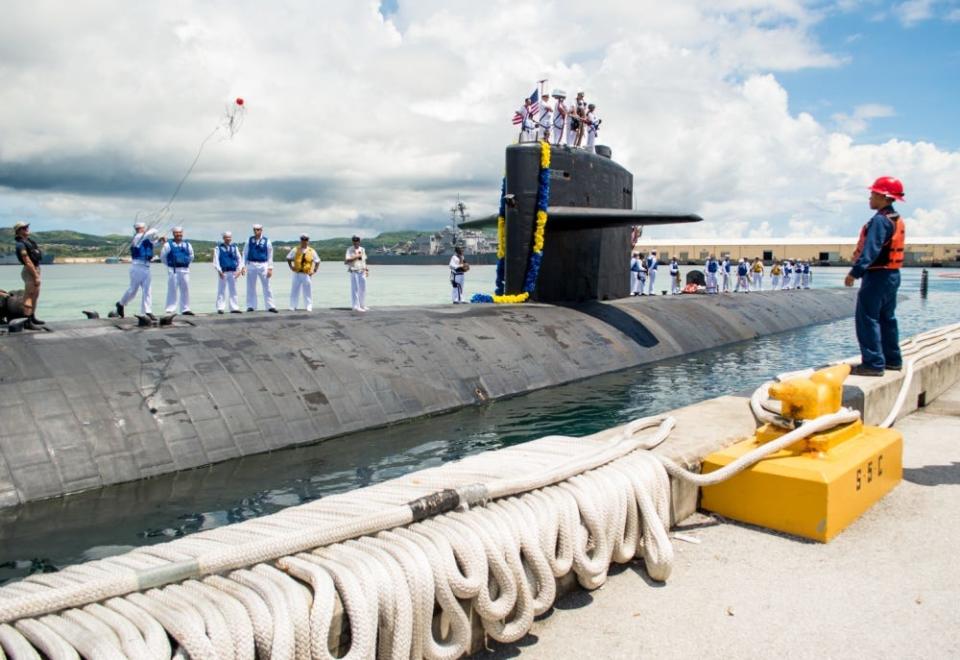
436, 248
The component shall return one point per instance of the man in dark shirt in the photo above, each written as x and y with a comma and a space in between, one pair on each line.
877, 259
28, 253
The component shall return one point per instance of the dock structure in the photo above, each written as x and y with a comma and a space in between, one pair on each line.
290, 599
104, 402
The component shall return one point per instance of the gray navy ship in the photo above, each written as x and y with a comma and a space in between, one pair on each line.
104, 401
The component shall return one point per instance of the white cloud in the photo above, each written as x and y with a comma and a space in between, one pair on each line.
912, 12
859, 121
357, 122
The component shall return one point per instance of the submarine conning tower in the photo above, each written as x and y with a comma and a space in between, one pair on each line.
586, 253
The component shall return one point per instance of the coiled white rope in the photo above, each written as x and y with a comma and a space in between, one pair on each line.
268, 587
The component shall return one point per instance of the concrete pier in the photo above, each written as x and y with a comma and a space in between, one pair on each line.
104, 402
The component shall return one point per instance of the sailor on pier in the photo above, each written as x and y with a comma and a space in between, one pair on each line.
458, 269
797, 275
178, 255
545, 119
651, 269
725, 270
806, 275
757, 273
259, 260
743, 282
712, 268
775, 272
303, 261
560, 118
674, 276
356, 260
228, 262
787, 272
593, 125
141, 253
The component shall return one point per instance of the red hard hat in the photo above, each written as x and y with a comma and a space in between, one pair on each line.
889, 186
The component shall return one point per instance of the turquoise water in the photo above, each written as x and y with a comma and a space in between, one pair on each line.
43, 535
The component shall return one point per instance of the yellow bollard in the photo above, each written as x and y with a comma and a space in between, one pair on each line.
817, 486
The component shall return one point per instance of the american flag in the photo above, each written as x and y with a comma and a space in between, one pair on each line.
534, 108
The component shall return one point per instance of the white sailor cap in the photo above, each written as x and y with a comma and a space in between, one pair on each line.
258, 226
139, 225
304, 237
228, 234
177, 229
559, 92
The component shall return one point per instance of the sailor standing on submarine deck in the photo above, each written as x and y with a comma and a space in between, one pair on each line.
178, 255
303, 261
356, 260
712, 268
141, 253
775, 272
259, 260
228, 262
458, 269
636, 265
787, 272
725, 268
743, 282
756, 271
651, 271
674, 276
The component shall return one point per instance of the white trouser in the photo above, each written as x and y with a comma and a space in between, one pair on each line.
774, 282
591, 139
456, 287
227, 284
742, 283
257, 270
758, 281
651, 278
805, 278
557, 136
726, 282
711, 282
358, 289
796, 280
571, 137
528, 135
178, 281
301, 283
675, 280
139, 279
786, 281
636, 284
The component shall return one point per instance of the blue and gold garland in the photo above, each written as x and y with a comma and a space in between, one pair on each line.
536, 257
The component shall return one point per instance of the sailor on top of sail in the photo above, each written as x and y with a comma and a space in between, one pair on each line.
593, 125
141, 253
259, 263
178, 255
560, 119
228, 262
528, 125
545, 120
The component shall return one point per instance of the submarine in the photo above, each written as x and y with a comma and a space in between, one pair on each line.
106, 401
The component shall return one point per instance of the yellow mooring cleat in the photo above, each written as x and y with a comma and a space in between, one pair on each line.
817, 486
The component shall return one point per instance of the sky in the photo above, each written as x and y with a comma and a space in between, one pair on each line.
769, 119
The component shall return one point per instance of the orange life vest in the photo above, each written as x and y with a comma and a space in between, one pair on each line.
891, 254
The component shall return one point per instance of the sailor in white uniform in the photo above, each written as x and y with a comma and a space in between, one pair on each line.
797, 275
787, 272
303, 261
228, 262
575, 112
711, 268
636, 264
458, 269
805, 280
545, 120
178, 255
141, 253
356, 260
559, 117
651, 270
743, 279
259, 263
593, 125
528, 123
674, 276
725, 268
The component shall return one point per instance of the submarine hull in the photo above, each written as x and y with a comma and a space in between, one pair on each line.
104, 402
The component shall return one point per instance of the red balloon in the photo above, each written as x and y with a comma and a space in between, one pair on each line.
239, 101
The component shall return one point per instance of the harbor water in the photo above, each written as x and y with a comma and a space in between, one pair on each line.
46, 535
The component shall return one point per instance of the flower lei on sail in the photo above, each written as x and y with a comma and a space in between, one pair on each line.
536, 258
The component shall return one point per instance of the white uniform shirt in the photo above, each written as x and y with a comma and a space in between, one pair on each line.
546, 117
560, 117
360, 264
592, 126
216, 258
527, 123
455, 263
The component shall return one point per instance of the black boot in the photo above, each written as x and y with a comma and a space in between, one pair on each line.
119, 310
34, 320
